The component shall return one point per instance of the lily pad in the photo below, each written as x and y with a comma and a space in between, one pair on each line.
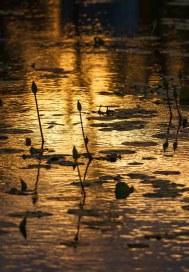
140, 144
137, 245
118, 151
15, 131
167, 172
30, 214
10, 150
83, 212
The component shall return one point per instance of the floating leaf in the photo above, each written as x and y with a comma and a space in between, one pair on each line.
79, 107
34, 87
123, 190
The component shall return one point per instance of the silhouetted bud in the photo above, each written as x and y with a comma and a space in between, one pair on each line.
79, 107
175, 145
165, 146
75, 153
34, 87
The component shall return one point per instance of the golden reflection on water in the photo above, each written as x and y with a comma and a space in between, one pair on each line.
88, 71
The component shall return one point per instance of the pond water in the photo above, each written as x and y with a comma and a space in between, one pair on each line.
135, 212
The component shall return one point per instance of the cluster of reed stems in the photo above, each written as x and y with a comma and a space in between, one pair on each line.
172, 91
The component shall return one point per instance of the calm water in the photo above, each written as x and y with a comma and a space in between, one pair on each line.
123, 70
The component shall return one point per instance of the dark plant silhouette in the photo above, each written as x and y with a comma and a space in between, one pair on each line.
76, 156
85, 138
35, 191
175, 95
34, 91
82, 182
81, 206
23, 227
166, 143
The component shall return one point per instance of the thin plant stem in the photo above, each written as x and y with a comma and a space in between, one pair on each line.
39, 120
82, 204
35, 191
86, 170
84, 137
170, 113
81, 181
179, 119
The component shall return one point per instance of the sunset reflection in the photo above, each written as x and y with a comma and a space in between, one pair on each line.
109, 184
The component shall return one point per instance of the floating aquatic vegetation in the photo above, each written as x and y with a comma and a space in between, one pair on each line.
167, 172
15, 131
30, 214
140, 143
22, 191
165, 189
122, 190
121, 125
137, 245
10, 150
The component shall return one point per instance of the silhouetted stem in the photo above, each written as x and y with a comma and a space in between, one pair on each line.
84, 137
170, 113
76, 238
38, 115
35, 192
86, 170
179, 118
81, 181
